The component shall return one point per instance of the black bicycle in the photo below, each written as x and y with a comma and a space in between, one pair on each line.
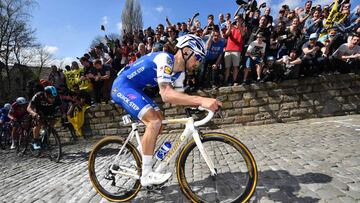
49, 141
5, 135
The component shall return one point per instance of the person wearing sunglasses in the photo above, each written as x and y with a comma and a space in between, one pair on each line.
44, 104
168, 72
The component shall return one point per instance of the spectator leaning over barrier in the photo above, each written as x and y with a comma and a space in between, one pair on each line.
233, 49
88, 74
255, 58
312, 56
347, 57
210, 69
290, 65
104, 77
272, 71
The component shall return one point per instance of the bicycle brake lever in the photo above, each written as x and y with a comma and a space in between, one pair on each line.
220, 114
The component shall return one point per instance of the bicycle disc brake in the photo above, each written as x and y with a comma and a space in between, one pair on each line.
111, 176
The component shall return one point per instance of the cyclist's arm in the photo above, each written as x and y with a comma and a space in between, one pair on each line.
10, 116
32, 105
31, 110
169, 95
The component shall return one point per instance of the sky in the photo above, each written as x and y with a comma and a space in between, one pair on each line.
67, 27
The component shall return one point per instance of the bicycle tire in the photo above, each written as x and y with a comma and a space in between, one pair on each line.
2, 139
98, 178
229, 146
51, 145
24, 140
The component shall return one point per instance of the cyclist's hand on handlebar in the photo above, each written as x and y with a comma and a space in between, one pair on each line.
35, 115
211, 104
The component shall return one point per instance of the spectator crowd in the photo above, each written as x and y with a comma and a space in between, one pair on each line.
251, 47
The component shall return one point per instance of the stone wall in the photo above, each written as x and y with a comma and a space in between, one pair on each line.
256, 104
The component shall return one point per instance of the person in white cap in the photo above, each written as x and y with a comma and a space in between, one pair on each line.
312, 56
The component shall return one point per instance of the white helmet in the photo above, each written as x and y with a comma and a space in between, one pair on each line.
21, 100
194, 42
7, 106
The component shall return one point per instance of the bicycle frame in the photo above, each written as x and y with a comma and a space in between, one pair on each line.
190, 130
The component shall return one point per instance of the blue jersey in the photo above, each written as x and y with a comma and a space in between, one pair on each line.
148, 71
4, 115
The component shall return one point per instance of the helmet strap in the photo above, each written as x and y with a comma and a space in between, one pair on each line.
186, 57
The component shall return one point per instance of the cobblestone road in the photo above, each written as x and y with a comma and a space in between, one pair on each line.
316, 160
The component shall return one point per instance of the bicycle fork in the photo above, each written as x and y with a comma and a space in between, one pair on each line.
204, 153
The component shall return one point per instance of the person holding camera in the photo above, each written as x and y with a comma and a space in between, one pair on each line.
210, 26
234, 48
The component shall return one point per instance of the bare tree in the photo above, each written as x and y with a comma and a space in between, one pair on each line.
131, 16
15, 34
44, 58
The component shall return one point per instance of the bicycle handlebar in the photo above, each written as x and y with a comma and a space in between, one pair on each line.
208, 117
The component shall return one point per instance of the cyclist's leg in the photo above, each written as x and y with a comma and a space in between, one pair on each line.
15, 126
137, 104
36, 134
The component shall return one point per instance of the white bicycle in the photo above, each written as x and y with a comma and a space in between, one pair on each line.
210, 167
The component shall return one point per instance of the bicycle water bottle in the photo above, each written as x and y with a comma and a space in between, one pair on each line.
163, 150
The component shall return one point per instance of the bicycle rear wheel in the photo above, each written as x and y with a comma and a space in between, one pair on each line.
116, 181
235, 166
24, 141
51, 146
5, 138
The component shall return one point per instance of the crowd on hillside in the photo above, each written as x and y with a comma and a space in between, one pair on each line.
251, 47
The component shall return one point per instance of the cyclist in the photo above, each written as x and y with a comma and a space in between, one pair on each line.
17, 113
168, 72
42, 105
4, 114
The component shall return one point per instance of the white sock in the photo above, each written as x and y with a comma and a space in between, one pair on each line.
146, 164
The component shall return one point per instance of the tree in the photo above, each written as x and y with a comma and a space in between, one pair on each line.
15, 35
44, 58
131, 16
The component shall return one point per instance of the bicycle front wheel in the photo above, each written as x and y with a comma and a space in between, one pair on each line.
236, 176
115, 175
50, 145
